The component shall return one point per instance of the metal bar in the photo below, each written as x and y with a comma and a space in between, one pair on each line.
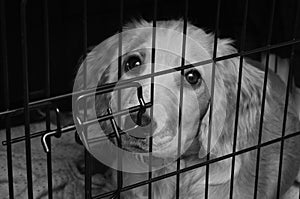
183, 52
87, 177
32, 135
115, 128
196, 64
212, 96
112, 87
47, 93
124, 82
54, 132
38, 134
243, 38
142, 109
108, 116
263, 99
153, 45
178, 68
49, 171
122, 112
26, 96
19, 111
120, 54
6, 99
46, 138
276, 64
120, 162
120, 42
47, 48
289, 82
198, 165
283, 130
84, 40
85, 93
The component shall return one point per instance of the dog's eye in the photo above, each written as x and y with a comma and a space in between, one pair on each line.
193, 76
132, 62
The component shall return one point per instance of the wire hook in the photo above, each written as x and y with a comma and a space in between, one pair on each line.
142, 109
57, 133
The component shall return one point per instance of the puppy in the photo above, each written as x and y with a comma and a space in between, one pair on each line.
193, 113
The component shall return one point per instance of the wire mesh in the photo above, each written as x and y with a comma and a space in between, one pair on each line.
8, 113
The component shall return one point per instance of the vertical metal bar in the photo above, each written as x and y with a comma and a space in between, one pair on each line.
120, 51
84, 40
49, 167
287, 99
184, 31
47, 93
47, 48
276, 64
263, 99
6, 99
120, 160
26, 96
120, 163
120, 40
87, 177
152, 95
212, 96
47, 59
243, 38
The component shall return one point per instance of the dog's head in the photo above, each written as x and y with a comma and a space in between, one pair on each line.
204, 112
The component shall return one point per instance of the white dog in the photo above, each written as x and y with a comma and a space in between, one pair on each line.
202, 93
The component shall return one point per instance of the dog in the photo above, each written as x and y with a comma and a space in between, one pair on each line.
198, 106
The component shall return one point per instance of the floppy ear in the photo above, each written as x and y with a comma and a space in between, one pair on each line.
213, 135
96, 63
224, 111
93, 72
217, 130
212, 126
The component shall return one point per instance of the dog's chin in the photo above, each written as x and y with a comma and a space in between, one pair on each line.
136, 145
142, 145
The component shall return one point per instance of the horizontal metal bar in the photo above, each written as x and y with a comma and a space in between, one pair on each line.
119, 113
18, 111
244, 53
106, 89
39, 133
110, 135
73, 127
214, 160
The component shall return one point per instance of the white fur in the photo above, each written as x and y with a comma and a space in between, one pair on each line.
192, 183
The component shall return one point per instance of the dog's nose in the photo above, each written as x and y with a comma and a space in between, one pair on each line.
140, 126
142, 120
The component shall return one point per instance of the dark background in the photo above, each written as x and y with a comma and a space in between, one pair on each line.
103, 20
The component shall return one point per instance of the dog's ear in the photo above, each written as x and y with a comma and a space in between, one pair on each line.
95, 65
216, 130
213, 130
212, 125
94, 72
222, 119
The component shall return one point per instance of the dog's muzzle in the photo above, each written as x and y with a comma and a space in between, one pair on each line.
141, 125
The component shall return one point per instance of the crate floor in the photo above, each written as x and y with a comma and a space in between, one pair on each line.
67, 172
